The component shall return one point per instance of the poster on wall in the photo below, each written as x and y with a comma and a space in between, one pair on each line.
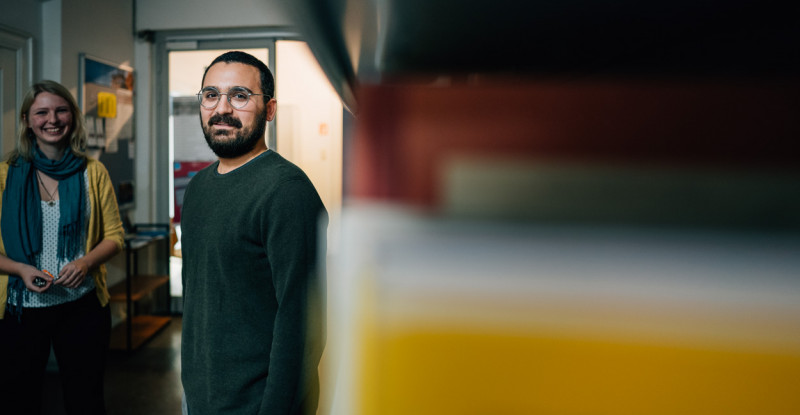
105, 94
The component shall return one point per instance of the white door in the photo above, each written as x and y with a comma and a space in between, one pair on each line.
8, 101
15, 78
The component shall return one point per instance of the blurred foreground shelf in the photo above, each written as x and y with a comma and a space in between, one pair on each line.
433, 315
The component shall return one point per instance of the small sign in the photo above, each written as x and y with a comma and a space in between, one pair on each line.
106, 105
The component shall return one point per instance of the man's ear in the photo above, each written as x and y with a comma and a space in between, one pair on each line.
272, 108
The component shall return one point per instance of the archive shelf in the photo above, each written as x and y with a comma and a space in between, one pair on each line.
138, 328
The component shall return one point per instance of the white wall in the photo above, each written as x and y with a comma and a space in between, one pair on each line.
22, 15
51, 40
188, 14
145, 133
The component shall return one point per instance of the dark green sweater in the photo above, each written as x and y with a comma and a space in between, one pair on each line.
253, 278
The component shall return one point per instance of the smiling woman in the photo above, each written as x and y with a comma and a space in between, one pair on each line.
50, 119
59, 224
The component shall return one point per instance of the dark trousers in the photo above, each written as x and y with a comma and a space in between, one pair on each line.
78, 332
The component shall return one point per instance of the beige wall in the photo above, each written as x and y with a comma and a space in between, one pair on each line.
100, 28
309, 122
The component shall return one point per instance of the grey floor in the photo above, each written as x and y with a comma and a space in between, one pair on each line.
143, 382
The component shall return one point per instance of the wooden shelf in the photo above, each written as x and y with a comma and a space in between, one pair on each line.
141, 285
142, 328
139, 241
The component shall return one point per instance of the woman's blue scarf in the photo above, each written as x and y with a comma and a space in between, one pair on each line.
21, 222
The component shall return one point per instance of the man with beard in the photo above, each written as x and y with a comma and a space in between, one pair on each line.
253, 231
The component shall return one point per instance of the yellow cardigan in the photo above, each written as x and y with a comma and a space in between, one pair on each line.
104, 224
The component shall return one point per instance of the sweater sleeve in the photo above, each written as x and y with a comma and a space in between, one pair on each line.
296, 223
110, 220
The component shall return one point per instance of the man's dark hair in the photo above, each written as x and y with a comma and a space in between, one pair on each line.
267, 81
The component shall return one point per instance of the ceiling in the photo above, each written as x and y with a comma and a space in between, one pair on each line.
382, 41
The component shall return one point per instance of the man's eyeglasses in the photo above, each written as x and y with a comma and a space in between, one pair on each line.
237, 97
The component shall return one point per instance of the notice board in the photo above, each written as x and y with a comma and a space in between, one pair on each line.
105, 94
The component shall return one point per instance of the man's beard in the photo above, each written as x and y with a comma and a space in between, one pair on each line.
245, 140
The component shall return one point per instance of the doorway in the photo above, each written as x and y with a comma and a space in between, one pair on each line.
307, 129
189, 152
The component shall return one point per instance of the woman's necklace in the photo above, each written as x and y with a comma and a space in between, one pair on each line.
52, 201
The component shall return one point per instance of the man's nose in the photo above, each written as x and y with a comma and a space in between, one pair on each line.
224, 106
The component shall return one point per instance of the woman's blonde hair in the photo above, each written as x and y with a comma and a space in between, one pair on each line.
26, 138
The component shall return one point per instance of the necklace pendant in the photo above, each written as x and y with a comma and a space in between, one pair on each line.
51, 202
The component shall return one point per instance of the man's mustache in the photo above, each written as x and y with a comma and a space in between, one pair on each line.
226, 119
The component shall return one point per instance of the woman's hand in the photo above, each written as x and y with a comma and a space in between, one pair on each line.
30, 273
73, 274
